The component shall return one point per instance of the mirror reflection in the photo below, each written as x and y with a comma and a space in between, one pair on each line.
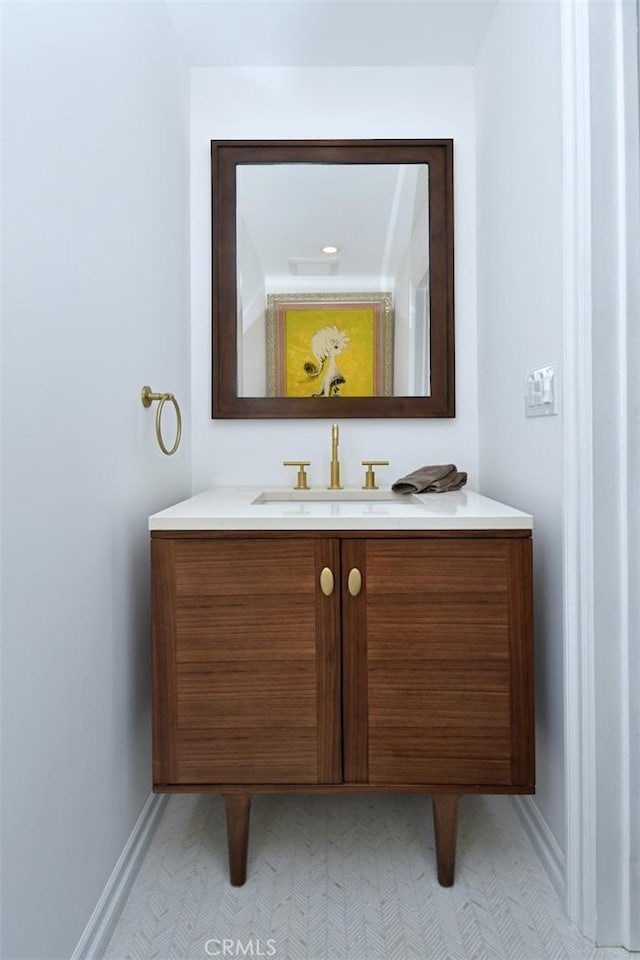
333, 284
332, 278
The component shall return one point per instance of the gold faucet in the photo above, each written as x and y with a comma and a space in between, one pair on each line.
334, 483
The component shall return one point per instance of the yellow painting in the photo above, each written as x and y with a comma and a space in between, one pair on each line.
333, 347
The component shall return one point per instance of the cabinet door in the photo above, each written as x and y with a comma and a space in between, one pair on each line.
246, 661
438, 681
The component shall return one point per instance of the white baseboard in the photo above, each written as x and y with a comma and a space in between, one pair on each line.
104, 918
543, 841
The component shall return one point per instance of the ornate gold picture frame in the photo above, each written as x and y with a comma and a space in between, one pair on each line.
329, 345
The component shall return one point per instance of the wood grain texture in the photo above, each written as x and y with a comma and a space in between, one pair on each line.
355, 632
410, 763
163, 660
243, 624
255, 683
445, 820
276, 694
400, 700
247, 754
430, 635
257, 568
440, 676
471, 786
328, 664
238, 811
425, 569
522, 678
439, 661
517, 534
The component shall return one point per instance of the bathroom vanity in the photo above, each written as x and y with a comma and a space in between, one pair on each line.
343, 645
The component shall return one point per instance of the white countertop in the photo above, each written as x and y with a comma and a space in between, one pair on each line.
232, 508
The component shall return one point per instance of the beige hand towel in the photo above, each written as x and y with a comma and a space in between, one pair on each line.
431, 479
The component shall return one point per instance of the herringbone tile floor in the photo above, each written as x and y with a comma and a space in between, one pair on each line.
345, 878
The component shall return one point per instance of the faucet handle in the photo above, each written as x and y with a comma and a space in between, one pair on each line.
370, 477
302, 483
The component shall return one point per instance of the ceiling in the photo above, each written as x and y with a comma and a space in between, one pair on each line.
290, 211
330, 33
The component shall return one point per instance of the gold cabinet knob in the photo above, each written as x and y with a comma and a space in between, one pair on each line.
302, 483
326, 581
370, 477
354, 582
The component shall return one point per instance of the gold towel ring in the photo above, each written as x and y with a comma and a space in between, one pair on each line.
148, 398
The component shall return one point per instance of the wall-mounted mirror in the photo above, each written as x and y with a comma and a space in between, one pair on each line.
332, 278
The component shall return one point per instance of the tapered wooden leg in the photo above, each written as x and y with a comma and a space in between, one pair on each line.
445, 822
238, 806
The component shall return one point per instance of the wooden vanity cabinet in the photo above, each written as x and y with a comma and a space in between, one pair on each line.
420, 680
246, 662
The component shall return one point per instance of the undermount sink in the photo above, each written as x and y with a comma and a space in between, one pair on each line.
330, 496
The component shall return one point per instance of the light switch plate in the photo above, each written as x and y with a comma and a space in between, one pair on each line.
540, 392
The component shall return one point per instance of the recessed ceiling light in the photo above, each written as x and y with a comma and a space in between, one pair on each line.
329, 249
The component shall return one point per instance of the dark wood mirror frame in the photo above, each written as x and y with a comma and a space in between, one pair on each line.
226, 156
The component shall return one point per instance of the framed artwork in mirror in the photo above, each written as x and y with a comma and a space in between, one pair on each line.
300, 228
329, 345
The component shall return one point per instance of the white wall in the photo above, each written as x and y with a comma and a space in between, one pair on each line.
315, 103
520, 327
95, 294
